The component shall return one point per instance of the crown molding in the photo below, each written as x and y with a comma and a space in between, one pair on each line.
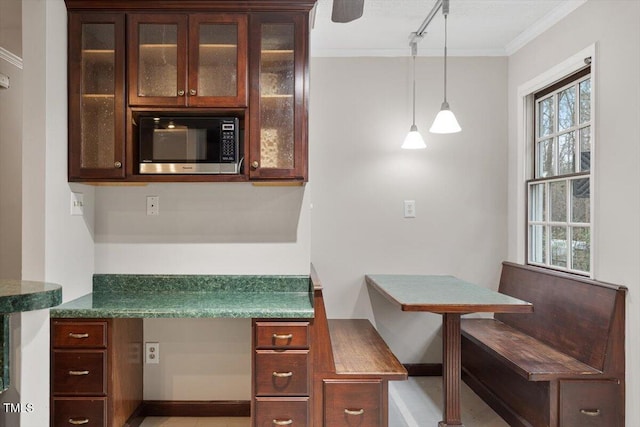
10, 58
539, 27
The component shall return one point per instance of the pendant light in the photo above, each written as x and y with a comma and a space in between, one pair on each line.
445, 121
413, 140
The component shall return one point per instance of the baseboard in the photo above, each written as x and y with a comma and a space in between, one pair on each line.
423, 369
195, 408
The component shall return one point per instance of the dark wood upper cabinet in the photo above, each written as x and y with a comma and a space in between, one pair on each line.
197, 60
96, 96
278, 132
195, 57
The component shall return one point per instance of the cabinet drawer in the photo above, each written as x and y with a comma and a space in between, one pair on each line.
273, 412
282, 373
282, 335
353, 403
79, 334
590, 404
79, 372
79, 412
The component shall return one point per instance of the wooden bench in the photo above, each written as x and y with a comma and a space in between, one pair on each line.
352, 369
562, 365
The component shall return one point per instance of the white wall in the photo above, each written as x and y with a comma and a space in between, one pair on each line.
613, 27
11, 179
360, 113
218, 228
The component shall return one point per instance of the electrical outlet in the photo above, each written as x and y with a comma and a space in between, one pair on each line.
409, 208
152, 353
153, 205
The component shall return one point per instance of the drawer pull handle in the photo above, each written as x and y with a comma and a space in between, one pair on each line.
282, 422
78, 421
78, 373
282, 336
78, 336
283, 374
354, 411
590, 412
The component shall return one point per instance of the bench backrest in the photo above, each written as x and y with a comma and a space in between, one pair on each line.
580, 317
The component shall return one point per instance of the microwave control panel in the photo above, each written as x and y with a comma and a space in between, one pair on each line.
229, 144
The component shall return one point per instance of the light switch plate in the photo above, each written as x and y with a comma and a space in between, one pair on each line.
77, 203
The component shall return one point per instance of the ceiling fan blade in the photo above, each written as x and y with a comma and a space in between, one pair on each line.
346, 10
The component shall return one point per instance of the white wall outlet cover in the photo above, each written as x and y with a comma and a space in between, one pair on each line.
77, 203
409, 208
4, 81
152, 353
153, 205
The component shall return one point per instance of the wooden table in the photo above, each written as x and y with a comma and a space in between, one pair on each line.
450, 297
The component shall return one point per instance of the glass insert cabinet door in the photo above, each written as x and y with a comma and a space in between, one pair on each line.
188, 60
96, 96
278, 97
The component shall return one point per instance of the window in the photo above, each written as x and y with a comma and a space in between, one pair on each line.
559, 193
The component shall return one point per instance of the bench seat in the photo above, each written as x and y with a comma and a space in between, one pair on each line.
359, 350
562, 365
530, 358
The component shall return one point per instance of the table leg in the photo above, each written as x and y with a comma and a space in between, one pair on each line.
451, 367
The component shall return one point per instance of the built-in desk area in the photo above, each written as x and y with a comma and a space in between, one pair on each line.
97, 342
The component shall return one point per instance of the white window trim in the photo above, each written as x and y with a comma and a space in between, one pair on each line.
524, 143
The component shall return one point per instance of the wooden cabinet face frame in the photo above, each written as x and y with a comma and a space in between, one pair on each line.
80, 97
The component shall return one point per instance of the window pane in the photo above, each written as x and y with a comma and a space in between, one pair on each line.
218, 60
566, 108
566, 143
558, 200
585, 101
559, 246
158, 56
585, 148
580, 200
545, 158
537, 202
580, 248
537, 244
546, 117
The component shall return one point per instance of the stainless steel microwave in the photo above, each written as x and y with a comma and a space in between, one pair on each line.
189, 145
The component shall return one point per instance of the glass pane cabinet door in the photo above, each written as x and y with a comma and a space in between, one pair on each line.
279, 137
217, 60
96, 81
157, 61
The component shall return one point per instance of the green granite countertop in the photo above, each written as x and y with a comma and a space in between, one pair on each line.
172, 296
22, 295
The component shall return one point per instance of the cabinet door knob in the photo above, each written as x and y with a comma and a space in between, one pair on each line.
192, 92
117, 165
181, 92
255, 164
78, 421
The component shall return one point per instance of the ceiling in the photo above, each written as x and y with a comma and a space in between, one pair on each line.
475, 27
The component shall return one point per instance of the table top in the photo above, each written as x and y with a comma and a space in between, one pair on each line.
443, 294
24, 295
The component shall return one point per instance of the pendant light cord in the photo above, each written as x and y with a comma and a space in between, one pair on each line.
445, 57
414, 90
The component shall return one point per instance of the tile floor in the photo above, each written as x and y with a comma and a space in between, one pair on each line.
413, 403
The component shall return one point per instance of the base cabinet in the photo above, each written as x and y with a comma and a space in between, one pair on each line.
96, 371
350, 403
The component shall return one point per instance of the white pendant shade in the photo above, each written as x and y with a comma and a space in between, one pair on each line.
445, 121
413, 140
